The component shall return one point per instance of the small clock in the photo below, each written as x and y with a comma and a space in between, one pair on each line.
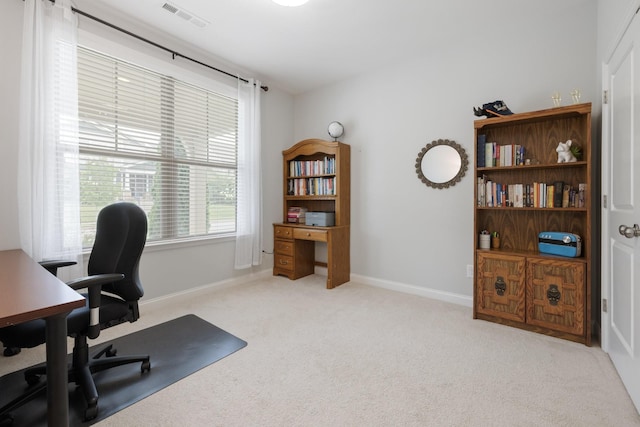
336, 130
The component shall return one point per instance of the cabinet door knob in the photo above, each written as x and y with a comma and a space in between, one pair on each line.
553, 294
500, 285
283, 262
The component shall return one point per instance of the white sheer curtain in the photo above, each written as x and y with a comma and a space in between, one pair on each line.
249, 195
48, 195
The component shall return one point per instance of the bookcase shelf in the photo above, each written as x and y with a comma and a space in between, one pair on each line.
515, 284
527, 208
529, 167
325, 197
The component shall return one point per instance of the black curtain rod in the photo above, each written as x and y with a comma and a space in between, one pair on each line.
159, 46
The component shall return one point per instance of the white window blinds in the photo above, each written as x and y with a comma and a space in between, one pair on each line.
166, 145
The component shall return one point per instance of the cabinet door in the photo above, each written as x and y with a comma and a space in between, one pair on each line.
555, 295
501, 285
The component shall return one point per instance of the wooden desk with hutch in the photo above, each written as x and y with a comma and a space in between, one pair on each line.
316, 177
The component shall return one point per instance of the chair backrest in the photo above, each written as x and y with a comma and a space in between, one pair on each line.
121, 233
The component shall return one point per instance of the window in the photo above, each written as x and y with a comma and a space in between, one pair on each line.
164, 144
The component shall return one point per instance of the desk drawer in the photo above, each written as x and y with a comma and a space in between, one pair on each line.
283, 232
284, 262
284, 247
310, 234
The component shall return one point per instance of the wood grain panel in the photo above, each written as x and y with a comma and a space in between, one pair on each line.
567, 313
501, 286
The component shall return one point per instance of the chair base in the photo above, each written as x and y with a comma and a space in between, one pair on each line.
80, 372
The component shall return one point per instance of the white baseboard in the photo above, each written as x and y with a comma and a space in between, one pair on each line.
172, 299
459, 299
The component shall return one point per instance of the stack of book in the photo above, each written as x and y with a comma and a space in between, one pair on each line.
312, 186
326, 166
534, 195
296, 215
490, 154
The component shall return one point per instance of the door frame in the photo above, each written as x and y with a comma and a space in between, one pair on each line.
605, 267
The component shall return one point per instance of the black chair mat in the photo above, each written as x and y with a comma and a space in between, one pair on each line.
177, 349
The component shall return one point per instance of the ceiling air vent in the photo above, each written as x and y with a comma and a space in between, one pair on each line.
184, 14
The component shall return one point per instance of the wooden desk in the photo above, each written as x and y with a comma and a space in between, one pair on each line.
294, 251
30, 292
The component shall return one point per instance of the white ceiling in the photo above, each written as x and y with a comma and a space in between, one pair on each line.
324, 41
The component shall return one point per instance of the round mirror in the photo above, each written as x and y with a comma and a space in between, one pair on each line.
441, 164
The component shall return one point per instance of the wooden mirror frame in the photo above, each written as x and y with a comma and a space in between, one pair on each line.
464, 164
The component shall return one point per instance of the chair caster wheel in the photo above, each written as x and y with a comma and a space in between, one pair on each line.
11, 351
6, 420
146, 366
91, 413
32, 379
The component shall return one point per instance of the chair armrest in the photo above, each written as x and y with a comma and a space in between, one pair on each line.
90, 282
94, 285
53, 265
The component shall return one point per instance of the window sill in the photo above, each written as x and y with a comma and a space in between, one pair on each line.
180, 243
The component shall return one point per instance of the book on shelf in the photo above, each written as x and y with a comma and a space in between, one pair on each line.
482, 142
558, 188
550, 197
582, 194
517, 195
489, 193
481, 191
565, 196
489, 156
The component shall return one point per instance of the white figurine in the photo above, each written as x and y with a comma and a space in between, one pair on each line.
564, 152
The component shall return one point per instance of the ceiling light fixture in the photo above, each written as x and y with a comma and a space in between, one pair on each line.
290, 3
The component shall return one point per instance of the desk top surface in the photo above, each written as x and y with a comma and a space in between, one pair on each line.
28, 291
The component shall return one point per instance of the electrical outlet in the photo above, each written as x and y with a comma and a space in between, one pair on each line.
469, 270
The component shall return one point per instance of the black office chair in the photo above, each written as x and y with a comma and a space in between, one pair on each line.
113, 268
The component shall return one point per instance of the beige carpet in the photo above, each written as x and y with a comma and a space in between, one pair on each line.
362, 356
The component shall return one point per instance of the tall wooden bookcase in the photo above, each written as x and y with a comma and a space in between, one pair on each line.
316, 177
514, 283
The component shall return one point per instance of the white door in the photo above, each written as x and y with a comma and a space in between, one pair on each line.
621, 210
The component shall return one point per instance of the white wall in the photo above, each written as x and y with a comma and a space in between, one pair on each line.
613, 18
163, 270
11, 33
405, 233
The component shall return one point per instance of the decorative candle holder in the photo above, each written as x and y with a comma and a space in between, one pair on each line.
575, 96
